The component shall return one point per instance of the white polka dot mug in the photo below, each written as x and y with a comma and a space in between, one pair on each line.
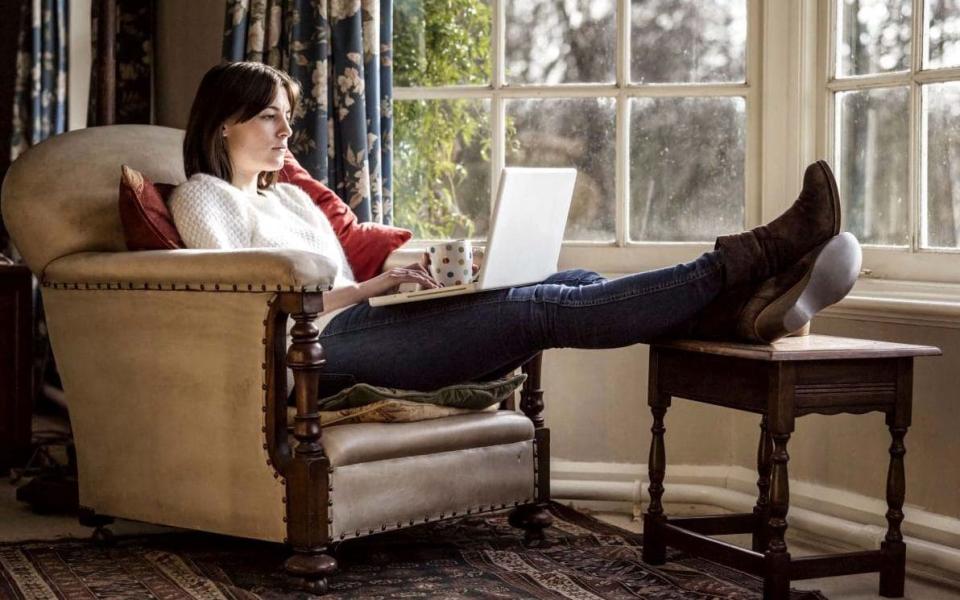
451, 262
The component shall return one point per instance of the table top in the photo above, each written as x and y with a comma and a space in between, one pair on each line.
805, 347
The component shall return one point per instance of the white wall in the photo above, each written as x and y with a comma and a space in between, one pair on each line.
81, 54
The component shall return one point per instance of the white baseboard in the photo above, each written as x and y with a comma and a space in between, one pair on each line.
819, 514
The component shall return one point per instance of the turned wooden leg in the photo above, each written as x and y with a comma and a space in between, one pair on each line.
761, 510
776, 581
101, 536
893, 565
308, 473
309, 570
534, 518
654, 546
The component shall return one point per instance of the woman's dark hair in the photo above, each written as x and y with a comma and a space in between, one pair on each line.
238, 91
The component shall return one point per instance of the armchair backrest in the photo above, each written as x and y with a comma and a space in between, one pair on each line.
60, 197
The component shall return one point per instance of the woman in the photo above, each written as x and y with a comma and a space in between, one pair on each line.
759, 284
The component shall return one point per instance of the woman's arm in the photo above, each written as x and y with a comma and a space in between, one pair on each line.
383, 283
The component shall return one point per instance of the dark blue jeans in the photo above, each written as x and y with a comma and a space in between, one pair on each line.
426, 345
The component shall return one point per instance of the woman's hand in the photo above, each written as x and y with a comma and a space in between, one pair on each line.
389, 281
384, 283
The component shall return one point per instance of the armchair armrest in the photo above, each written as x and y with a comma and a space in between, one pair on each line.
256, 269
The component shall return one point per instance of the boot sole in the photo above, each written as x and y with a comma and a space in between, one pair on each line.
834, 194
828, 280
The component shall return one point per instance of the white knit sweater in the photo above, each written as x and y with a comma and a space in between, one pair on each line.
211, 213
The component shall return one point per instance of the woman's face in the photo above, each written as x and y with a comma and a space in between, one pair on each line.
259, 144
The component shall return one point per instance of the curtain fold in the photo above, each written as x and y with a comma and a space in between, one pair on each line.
40, 90
340, 53
134, 56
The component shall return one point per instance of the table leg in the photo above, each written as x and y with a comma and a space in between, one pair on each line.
654, 546
762, 508
776, 581
893, 566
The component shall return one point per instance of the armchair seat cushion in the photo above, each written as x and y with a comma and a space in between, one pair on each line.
367, 442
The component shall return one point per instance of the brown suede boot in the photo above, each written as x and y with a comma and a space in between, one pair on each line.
783, 304
718, 321
765, 251
786, 302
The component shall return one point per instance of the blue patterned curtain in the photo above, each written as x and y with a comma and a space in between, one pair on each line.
340, 53
40, 91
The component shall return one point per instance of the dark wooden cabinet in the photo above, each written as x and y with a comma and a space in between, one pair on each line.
16, 362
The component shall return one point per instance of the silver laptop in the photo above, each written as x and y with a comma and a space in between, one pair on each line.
525, 235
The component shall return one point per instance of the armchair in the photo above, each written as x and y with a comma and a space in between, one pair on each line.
174, 367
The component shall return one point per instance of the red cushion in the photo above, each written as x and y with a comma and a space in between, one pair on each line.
147, 223
367, 245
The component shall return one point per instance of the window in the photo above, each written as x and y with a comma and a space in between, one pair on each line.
653, 101
893, 103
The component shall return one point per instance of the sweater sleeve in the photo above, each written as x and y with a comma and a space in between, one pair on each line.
207, 216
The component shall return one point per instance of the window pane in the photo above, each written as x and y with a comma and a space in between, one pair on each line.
575, 132
442, 167
873, 36
686, 168
942, 102
560, 41
441, 43
688, 40
944, 33
873, 161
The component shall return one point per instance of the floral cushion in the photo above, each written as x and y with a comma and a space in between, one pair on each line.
472, 395
386, 411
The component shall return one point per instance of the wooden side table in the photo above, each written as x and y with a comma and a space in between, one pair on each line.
793, 377
16, 365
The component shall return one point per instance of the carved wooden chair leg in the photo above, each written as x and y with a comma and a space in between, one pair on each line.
534, 518
308, 473
101, 536
761, 510
309, 570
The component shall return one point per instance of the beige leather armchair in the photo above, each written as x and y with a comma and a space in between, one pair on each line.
174, 367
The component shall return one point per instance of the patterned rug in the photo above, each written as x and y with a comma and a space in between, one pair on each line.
478, 557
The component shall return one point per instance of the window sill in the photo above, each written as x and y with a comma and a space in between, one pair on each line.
904, 302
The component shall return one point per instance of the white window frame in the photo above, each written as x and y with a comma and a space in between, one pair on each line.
620, 255
912, 262
789, 125
906, 286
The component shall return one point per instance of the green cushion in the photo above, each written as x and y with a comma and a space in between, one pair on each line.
477, 395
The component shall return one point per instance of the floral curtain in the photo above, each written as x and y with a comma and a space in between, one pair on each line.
133, 53
340, 53
40, 90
